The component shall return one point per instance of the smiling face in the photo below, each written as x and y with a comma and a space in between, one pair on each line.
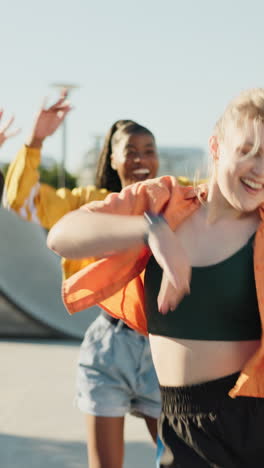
135, 158
239, 165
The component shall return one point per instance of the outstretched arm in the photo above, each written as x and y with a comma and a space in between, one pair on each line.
80, 234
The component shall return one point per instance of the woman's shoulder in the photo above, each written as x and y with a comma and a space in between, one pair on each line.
178, 184
166, 181
163, 192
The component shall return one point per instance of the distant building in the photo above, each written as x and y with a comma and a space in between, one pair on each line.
174, 160
184, 161
86, 173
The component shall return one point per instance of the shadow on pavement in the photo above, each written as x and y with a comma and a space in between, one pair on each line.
43, 341
139, 455
23, 452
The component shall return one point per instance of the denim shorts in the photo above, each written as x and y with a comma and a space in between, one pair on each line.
115, 372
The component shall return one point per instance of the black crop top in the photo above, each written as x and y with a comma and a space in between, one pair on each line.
222, 305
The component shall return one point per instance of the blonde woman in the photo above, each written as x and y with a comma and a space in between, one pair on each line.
204, 290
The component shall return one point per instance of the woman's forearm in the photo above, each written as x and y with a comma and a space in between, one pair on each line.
80, 234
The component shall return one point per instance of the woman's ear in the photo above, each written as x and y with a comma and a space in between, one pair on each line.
214, 147
113, 164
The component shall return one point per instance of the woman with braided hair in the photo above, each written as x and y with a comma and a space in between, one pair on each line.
115, 370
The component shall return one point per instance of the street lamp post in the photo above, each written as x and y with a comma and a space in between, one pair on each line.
61, 167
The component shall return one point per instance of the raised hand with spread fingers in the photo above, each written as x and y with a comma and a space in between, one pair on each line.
48, 120
5, 133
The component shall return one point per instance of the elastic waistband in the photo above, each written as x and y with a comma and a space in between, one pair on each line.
197, 398
112, 320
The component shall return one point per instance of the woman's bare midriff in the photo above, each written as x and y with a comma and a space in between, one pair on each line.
185, 362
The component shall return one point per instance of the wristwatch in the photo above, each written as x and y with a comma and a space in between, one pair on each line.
153, 221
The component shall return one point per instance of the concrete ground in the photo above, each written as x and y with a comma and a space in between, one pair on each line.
39, 427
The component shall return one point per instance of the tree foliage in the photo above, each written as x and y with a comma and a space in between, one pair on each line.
50, 176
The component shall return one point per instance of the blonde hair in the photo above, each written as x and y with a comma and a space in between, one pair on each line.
248, 105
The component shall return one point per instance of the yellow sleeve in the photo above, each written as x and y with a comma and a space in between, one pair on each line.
38, 202
182, 180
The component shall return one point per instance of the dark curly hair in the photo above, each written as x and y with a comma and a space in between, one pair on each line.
106, 177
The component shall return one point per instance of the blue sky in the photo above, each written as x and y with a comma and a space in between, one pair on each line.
171, 65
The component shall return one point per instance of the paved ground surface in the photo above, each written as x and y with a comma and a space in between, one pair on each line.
39, 427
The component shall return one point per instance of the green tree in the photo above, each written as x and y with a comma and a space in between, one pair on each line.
50, 176
4, 168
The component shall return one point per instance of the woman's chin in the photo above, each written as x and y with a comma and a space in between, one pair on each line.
248, 206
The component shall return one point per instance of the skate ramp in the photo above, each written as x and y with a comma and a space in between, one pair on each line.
30, 283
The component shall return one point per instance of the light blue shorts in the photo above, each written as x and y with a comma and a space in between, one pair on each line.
116, 373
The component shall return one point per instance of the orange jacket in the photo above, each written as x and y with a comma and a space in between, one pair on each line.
116, 282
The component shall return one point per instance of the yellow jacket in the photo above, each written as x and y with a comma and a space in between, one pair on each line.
116, 282
41, 203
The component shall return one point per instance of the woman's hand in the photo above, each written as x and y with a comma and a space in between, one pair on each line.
5, 133
173, 259
48, 120
169, 297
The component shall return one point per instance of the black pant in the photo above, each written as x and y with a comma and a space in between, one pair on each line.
201, 426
